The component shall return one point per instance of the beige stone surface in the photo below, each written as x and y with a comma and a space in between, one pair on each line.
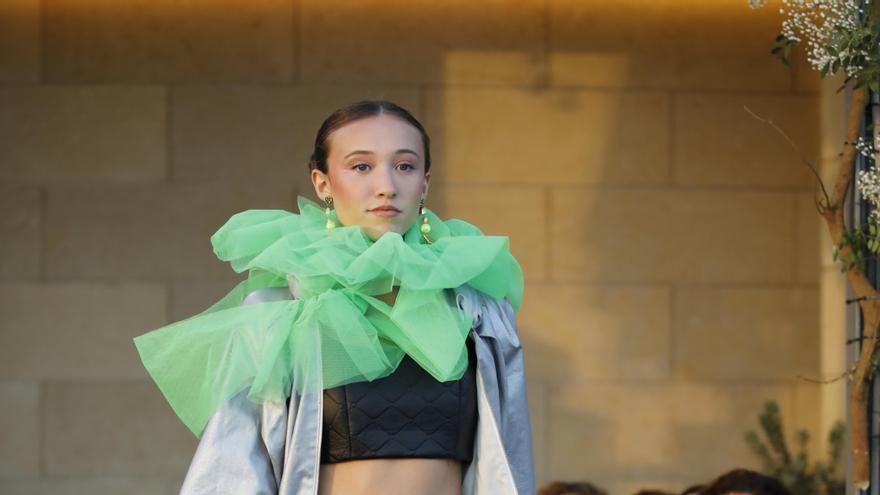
21, 222
82, 133
118, 428
825, 247
676, 273
190, 297
20, 41
551, 137
653, 433
588, 434
746, 333
833, 111
833, 355
807, 79
681, 44
76, 330
19, 428
808, 415
717, 141
810, 228
150, 232
539, 420
516, 212
650, 235
255, 133
416, 42
832, 283
602, 332
714, 418
100, 485
167, 41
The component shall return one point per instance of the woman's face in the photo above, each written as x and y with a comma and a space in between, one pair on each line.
375, 174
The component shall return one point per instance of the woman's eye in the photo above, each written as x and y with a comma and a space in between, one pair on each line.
406, 166
361, 167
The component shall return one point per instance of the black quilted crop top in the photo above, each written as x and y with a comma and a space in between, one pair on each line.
406, 414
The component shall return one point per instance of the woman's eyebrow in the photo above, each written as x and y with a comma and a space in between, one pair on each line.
365, 152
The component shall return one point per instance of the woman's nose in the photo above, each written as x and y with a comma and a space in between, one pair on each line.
385, 183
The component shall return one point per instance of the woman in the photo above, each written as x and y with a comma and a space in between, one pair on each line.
372, 347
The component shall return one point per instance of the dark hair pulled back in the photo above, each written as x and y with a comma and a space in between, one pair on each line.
360, 110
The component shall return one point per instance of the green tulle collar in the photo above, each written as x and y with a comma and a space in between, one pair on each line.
337, 332
284, 243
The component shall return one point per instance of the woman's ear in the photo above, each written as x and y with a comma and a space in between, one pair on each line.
426, 184
321, 183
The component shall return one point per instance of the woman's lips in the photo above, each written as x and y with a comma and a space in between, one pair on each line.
385, 211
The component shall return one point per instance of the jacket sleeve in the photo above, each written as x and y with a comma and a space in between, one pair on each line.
241, 450
516, 428
501, 362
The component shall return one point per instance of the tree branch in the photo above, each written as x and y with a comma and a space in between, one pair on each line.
863, 288
803, 157
846, 374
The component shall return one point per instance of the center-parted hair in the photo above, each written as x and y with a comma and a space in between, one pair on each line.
359, 110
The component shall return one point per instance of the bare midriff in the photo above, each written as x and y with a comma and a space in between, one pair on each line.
391, 477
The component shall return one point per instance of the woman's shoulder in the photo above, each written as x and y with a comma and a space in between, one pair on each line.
267, 294
478, 303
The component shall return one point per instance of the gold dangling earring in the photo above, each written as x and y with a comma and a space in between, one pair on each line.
328, 203
425, 227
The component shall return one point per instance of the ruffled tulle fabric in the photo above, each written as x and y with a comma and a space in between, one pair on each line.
337, 325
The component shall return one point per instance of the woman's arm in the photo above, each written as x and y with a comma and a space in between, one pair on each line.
505, 428
241, 450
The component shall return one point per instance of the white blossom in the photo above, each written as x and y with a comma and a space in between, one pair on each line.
866, 148
868, 181
816, 22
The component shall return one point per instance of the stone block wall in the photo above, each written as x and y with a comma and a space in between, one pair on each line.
668, 238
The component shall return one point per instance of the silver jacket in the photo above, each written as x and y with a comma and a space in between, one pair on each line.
260, 449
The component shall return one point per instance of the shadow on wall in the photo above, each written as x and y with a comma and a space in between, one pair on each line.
665, 235
668, 239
